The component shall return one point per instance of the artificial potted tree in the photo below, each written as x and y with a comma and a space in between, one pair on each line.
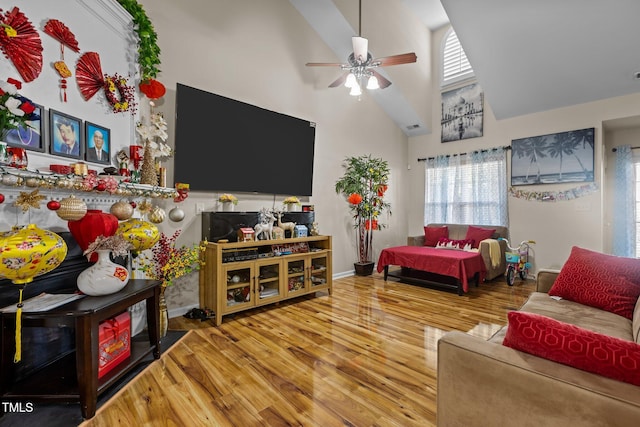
364, 184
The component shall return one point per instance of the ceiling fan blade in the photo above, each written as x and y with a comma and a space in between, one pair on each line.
404, 58
382, 80
360, 48
340, 80
324, 64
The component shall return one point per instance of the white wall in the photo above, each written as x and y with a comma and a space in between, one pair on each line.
555, 226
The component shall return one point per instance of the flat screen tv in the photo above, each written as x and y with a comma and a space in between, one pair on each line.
225, 145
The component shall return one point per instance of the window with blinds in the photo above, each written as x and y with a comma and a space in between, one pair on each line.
455, 65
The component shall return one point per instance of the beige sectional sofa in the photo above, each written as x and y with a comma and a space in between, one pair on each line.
484, 383
459, 231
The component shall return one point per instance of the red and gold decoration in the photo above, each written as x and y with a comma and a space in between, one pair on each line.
183, 192
28, 252
20, 43
93, 224
61, 32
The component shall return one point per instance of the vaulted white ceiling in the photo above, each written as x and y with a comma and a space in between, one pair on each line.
528, 56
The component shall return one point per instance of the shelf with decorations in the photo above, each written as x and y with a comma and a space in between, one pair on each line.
107, 185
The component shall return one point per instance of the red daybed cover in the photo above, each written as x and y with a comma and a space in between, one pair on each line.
447, 262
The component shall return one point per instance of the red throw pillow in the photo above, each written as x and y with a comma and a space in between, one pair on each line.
432, 234
478, 234
607, 282
573, 346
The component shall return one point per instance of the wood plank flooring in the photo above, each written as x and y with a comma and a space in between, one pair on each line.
364, 356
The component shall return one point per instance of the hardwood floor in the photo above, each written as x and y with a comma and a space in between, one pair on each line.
364, 356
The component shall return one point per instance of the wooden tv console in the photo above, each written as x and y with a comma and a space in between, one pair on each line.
238, 276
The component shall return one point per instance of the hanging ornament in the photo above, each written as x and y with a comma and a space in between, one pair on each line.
71, 209
53, 205
152, 88
25, 200
141, 234
157, 215
1, 198
93, 224
20, 42
89, 74
60, 32
176, 214
122, 210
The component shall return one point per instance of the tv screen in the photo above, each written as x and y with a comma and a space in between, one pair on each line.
225, 145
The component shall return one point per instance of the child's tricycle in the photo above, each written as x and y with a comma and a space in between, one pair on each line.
518, 260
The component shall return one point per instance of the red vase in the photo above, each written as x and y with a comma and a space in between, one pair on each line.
95, 223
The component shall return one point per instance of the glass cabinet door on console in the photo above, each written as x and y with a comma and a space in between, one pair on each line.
318, 271
238, 278
296, 274
269, 281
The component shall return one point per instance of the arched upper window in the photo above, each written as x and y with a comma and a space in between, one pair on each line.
455, 65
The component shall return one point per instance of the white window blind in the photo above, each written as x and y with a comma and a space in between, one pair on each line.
455, 65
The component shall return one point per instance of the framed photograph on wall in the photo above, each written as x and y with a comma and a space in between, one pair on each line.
98, 143
29, 137
66, 135
462, 113
553, 158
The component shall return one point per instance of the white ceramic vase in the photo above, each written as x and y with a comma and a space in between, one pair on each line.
293, 207
227, 206
104, 277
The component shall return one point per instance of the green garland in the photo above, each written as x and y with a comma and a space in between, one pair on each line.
148, 49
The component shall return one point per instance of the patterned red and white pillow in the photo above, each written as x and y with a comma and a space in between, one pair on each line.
574, 346
446, 243
607, 282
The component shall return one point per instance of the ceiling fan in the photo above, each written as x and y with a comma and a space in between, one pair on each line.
360, 66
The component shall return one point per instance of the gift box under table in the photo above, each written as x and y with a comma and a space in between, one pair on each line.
114, 337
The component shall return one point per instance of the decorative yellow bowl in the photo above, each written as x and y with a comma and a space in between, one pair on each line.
29, 251
141, 234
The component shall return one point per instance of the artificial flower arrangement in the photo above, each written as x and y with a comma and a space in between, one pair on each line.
155, 133
15, 109
228, 198
168, 262
293, 200
117, 244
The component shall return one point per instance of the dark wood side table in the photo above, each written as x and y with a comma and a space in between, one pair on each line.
74, 377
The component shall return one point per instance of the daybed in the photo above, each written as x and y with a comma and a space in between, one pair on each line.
594, 326
421, 262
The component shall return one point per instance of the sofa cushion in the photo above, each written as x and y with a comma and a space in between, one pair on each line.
478, 234
609, 282
446, 243
570, 345
636, 322
434, 233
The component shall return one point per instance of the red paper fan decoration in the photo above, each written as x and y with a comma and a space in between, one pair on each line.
61, 32
89, 74
20, 42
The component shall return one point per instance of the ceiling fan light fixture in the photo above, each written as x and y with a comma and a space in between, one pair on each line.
355, 90
372, 83
351, 81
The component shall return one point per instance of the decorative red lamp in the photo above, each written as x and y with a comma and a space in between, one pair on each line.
95, 223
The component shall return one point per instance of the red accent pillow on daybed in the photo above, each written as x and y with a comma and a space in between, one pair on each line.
607, 282
434, 233
574, 346
478, 234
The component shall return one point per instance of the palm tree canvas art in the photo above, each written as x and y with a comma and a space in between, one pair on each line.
553, 158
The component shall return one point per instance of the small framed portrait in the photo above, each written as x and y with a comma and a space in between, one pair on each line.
29, 137
98, 143
66, 135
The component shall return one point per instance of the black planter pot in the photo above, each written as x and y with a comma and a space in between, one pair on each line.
363, 268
